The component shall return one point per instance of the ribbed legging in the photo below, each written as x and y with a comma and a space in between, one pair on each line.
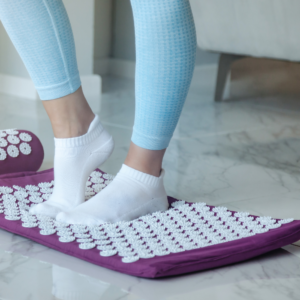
165, 58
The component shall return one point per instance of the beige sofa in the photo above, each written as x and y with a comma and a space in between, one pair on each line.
258, 28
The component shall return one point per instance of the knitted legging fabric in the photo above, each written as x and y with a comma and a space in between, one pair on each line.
165, 49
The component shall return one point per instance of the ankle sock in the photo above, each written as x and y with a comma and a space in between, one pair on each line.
74, 160
130, 195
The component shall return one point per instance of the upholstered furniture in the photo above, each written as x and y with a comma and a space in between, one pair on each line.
235, 29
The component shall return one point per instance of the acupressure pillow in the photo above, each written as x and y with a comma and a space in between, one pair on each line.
20, 150
188, 237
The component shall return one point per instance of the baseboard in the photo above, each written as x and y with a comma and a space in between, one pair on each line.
122, 68
102, 66
24, 88
116, 67
206, 74
92, 89
126, 68
17, 86
91, 84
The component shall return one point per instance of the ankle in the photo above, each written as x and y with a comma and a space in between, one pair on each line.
150, 170
144, 160
70, 115
72, 127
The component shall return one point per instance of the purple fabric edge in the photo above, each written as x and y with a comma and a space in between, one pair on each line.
173, 264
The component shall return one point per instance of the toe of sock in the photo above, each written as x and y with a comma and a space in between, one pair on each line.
45, 209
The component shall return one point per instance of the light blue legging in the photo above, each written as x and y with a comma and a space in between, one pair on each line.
165, 47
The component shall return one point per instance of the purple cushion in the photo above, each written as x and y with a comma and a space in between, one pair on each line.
204, 236
20, 151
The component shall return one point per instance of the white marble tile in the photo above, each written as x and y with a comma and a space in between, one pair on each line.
122, 141
276, 205
292, 249
241, 154
32, 271
232, 167
203, 117
118, 102
118, 108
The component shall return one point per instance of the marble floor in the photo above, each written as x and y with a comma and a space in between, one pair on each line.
243, 153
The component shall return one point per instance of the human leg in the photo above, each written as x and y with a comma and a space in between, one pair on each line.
41, 32
70, 115
165, 46
145, 160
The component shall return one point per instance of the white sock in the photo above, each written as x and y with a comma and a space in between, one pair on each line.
74, 160
130, 195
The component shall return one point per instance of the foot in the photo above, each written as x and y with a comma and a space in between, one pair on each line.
74, 160
130, 195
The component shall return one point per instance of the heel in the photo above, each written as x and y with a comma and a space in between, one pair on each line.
108, 147
159, 204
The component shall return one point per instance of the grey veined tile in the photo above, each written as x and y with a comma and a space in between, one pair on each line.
279, 205
233, 167
275, 147
205, 118
122, 138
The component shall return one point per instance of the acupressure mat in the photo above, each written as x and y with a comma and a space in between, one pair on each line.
188, 237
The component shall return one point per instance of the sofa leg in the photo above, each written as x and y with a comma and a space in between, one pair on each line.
225, 62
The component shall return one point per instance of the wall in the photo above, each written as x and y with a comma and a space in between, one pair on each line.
83, 32
14, 79
123, 31
11, 63
123, 36
109, 23
103, 29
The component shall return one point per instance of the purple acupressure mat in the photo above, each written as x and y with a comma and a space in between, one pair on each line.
20, 150
188, 237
